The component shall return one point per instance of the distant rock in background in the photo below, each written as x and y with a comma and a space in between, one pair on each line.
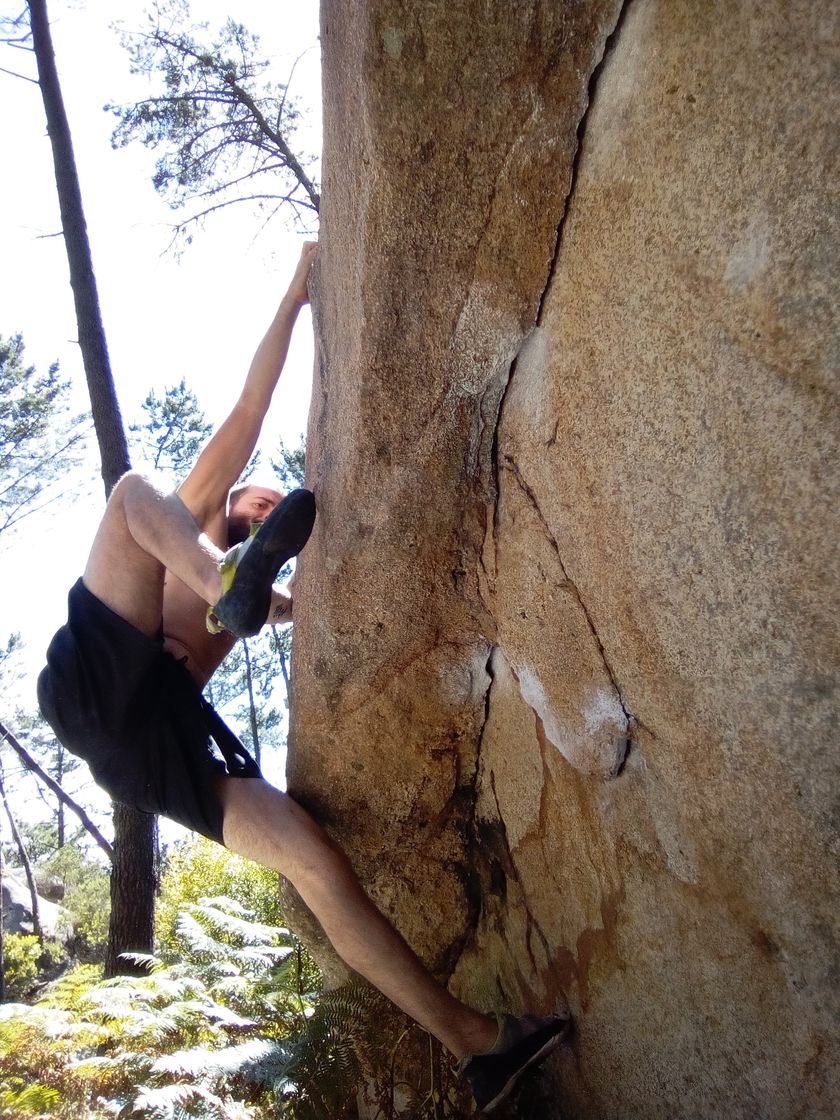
17, 911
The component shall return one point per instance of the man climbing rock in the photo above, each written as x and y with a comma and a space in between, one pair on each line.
158, 607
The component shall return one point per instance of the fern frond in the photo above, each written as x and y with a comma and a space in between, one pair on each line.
33, 1100
148, 961
222, 1015
230, 1060
225, 902
246, 930
151, 1101
196, 937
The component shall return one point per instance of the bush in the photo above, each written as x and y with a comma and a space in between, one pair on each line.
198, 868
21, 952
26, 963
205, 1035
87, 897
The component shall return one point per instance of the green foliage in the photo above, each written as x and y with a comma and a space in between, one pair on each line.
38, 1046
87, 896
20, 963
205, 1033
39, 838
39, 440
290, 464
222, 128
227, 1022
357, 1044
8, 656
196, 868
26, 963
174, 430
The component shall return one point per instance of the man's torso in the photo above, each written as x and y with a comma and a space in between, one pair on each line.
185, 630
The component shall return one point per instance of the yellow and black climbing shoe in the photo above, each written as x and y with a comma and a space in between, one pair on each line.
250, 569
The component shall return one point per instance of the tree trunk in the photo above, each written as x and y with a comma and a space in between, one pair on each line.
280, 650
132, 927
2, 930
107, 420
252, 708
132, 898
60, 825
25, 861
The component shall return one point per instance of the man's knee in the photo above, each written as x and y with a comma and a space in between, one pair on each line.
271, 827
135, 484
316, 858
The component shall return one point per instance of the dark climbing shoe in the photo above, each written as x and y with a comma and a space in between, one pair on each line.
522, 1043
250, 568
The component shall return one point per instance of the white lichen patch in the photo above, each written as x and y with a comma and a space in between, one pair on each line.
596, 744
392, 42
535, 696
604, 707
532, 391
750, 255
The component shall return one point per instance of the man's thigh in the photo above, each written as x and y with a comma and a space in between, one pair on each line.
118, 571
269, 826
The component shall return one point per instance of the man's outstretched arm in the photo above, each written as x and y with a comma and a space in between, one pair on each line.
205, 489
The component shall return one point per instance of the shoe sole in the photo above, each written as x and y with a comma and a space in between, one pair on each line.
243, 609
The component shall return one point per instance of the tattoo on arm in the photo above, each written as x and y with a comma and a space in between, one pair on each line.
280, 610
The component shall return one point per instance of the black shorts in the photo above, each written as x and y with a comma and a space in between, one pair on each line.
117, 699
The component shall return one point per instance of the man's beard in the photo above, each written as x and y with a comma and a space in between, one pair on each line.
239, 529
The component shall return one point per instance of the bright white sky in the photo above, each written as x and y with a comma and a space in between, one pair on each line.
199, 316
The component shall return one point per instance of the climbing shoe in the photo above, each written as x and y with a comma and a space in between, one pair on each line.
249, 569
522, 1043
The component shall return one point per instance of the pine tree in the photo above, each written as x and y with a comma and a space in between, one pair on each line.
40, 440
223, 130
174, 430
133, 873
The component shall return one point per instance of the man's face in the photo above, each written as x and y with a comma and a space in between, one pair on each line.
253, 504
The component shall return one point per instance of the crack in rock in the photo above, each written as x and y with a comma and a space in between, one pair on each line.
574, 590
490, 859
531, 921
468, 872
495, 418
592, 88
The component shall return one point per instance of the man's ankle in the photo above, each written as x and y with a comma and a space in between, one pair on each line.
479, 1037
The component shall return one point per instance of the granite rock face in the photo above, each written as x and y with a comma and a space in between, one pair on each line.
566, 651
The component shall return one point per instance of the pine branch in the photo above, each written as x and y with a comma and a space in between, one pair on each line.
8, 737
24, 859
277, 139
14, 74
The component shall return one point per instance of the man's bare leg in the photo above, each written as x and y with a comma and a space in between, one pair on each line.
269, 827
143, 532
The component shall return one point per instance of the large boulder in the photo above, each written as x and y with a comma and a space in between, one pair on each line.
16, 901
566, 651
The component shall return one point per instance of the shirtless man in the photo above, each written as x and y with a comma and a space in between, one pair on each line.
122, 689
